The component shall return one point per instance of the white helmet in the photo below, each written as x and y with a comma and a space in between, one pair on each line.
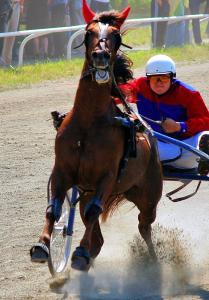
160, 64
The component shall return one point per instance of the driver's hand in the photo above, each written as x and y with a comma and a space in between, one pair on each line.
170, 126
132, 116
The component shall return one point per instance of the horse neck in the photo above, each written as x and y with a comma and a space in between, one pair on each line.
92, 100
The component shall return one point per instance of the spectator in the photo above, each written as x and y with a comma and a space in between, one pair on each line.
175, 35
207, 12
207, 30
100, 5
58, 10
194, 6
37, 17
75, 10
124, 3
187, 35
159, 8
5, 13
6, 55
76, 18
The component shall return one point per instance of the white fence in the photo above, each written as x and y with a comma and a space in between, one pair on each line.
130, 23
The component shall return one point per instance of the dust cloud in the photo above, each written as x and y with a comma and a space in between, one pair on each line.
132, 275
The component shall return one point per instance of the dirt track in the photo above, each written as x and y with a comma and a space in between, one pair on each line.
26, 159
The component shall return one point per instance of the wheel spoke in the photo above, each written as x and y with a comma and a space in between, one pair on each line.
60, 245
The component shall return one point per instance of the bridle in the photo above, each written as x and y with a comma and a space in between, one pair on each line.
99, 59
101, 45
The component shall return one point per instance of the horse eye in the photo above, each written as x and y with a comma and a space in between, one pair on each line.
87, 36
117, 40
90, 33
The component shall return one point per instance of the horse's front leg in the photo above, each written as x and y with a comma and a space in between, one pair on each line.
81, 257
60, 183
91, 208
92, 240
104, 189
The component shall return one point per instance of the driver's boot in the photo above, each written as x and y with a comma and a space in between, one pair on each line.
203, 167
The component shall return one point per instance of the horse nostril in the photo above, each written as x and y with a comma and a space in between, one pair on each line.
100, 59
94, 54
106, 55
100, 55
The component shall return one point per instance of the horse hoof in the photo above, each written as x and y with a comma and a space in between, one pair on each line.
80, 264
39, 253
80, 259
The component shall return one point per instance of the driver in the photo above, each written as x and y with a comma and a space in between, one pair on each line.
180, 108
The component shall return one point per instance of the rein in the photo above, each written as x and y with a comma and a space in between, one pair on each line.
151, 120
127, 106
90, 71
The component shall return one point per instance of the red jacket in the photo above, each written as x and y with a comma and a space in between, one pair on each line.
181, 103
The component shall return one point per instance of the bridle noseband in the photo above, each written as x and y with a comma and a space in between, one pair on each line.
102, 42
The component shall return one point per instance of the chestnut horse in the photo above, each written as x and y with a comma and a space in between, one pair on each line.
89, 148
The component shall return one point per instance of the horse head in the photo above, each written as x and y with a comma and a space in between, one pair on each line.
102, 40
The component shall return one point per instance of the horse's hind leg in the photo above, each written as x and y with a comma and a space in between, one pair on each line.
147, 205
146, 218
146, 199
40, 251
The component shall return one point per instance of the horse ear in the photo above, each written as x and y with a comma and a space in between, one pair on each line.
88, 14
123, 15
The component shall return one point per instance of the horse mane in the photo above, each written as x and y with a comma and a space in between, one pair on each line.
122, 72
111, 17
122, 68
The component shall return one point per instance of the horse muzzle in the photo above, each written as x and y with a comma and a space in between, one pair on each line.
102, 76
101, 60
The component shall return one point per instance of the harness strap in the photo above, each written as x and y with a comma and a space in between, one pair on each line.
122, 98
128, 107
180, 188
90, 71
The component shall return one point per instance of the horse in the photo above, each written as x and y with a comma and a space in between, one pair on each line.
89, 150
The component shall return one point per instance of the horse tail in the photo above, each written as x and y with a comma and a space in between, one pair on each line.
111, 205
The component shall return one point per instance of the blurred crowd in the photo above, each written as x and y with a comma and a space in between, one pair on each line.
36, 14
177, 34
